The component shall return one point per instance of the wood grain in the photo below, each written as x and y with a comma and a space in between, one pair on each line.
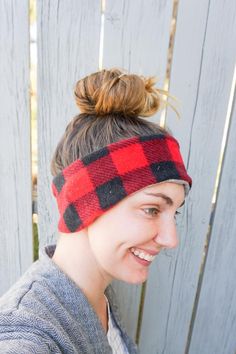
201, 77
15, 155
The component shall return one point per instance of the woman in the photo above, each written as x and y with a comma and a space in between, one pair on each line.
118, 181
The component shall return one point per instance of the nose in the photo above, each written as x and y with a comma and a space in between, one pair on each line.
167, 236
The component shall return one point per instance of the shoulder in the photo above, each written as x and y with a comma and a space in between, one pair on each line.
20, 321
24, 346
32, 288
44, 309
11, 300
25, 314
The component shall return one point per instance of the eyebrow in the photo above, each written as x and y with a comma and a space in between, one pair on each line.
168, 200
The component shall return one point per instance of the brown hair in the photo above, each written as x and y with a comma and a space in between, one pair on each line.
111, 104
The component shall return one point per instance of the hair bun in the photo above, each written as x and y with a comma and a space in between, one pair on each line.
114, 91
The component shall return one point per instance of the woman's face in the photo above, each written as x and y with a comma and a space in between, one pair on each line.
142, 224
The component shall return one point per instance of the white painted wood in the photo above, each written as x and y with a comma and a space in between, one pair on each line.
215, 326
68, 49
203, 63
136, 38
16, 251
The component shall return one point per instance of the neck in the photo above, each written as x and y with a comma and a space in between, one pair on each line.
74, 257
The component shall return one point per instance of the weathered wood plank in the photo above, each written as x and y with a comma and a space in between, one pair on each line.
203, 63
136, 38
68, 49
215, 326
15, 158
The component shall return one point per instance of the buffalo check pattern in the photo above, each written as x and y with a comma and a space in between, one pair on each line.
90, 186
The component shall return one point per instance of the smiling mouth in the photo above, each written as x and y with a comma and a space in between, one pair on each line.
141, 255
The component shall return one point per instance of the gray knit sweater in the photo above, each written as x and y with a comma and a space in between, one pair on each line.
46, 312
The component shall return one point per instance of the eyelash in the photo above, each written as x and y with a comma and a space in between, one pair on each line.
158, 211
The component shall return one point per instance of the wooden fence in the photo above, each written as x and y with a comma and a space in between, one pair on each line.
188, 305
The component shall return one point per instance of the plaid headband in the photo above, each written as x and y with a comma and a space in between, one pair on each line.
90, 186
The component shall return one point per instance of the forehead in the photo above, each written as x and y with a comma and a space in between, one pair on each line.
163, 186
172, 190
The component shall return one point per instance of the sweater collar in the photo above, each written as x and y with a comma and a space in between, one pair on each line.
73, 298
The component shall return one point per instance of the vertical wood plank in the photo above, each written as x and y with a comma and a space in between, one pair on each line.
68, 49
215, 326
16, 251
136, 38
203, 63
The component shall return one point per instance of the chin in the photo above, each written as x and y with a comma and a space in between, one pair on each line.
135, 280
132, 276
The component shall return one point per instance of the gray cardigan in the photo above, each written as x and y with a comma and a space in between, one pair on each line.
46, 312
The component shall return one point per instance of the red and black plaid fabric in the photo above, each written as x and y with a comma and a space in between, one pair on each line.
88, 187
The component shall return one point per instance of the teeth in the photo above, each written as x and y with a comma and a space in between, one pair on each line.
142, 255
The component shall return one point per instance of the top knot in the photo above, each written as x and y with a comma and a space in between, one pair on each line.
114, 91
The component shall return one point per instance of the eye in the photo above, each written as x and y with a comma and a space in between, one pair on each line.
176, 214
151, 211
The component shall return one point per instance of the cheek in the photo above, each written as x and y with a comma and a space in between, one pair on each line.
136, 233
114, 233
